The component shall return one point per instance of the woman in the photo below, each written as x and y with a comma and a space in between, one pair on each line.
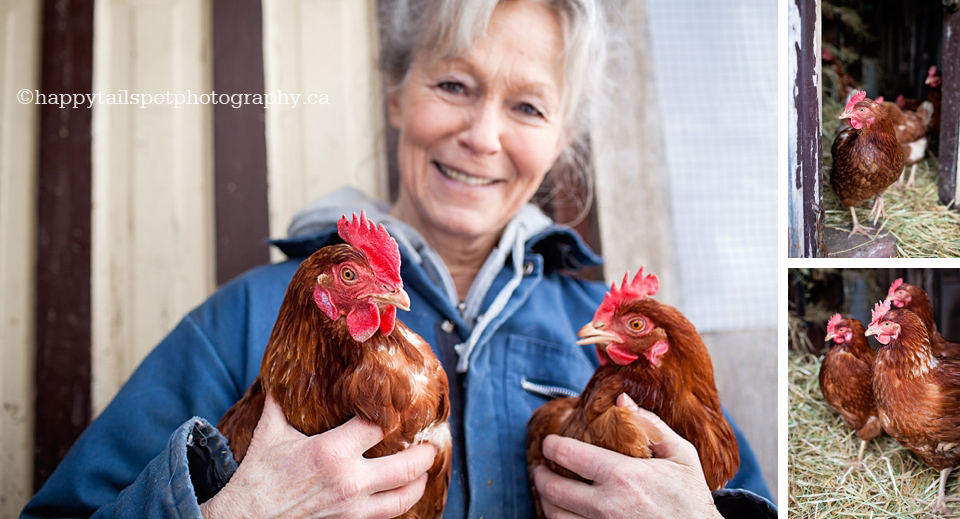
485, 108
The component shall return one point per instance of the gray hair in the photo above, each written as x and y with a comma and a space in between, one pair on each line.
452, 26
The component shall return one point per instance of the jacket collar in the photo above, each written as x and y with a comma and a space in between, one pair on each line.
315, 226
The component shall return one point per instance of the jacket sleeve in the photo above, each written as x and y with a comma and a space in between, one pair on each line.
743, 504
746, 496
134, 459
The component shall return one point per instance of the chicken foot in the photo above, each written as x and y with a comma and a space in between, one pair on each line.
939, 505
857, 228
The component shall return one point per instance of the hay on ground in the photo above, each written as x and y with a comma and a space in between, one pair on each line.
893, 482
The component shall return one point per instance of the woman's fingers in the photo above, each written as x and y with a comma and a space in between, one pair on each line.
392, 503
555, 512
354, 437
400, 469
569, 495
589, 461
673, 446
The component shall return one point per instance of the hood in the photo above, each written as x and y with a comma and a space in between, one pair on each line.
315, 226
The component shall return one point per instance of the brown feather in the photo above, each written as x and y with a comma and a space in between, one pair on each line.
845, 381
920, 304
322, 377
918, 394
680, 389
866, 161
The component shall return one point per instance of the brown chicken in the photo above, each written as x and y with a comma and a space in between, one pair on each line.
911, 127
337, 351
845, 378
913, 298
917, 393
867, 158
651, 352
845, 82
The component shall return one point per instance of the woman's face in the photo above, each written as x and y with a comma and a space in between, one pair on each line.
478, 132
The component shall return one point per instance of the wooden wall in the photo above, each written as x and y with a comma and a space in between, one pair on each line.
19, 69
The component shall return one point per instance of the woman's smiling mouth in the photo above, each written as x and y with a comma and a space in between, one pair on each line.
462, 177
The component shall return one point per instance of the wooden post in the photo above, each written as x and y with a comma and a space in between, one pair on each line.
239, 136
805, 161
63, 236
950, 109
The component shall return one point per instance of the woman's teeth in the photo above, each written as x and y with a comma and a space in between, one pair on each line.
470, 180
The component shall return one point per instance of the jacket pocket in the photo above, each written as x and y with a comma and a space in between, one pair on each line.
534, 371
546, 390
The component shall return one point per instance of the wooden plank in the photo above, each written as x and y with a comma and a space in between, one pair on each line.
153, 225
240, 149
19, 59
628, 158
63, 236
322, 48
804, 170
950, 111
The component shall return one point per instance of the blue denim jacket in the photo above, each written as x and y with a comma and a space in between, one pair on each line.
153, 450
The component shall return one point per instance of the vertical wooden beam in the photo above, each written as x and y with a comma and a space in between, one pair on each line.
805, 180
63, 236
239, 139
950, 110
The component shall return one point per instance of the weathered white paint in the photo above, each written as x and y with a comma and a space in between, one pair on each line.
795, 202
322, 47
19, 69
153, 245
630, 171
795, 196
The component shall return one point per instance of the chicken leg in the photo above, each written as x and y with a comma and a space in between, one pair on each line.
903, 176
877, 210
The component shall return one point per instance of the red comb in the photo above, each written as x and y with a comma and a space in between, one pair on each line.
857, 97
879, 310
639, 288
832, 324
879, 99
375, 243
894, 286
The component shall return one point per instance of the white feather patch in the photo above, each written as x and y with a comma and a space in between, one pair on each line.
918, 149
437, 434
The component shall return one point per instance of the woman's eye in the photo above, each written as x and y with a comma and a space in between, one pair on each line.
528, 109
348, 274
453, 87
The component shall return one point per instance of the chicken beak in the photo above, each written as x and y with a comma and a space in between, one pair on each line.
871, 331
830, 337
845, 115
398, 298
590, 334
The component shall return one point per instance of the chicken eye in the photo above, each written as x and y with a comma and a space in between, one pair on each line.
863, 109
347, 274
636, 324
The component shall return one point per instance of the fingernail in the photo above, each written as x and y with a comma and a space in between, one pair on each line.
624, 400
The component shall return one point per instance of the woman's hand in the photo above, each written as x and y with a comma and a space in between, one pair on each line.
287, 474
668, 486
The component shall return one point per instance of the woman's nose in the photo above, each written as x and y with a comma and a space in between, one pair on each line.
482, 134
